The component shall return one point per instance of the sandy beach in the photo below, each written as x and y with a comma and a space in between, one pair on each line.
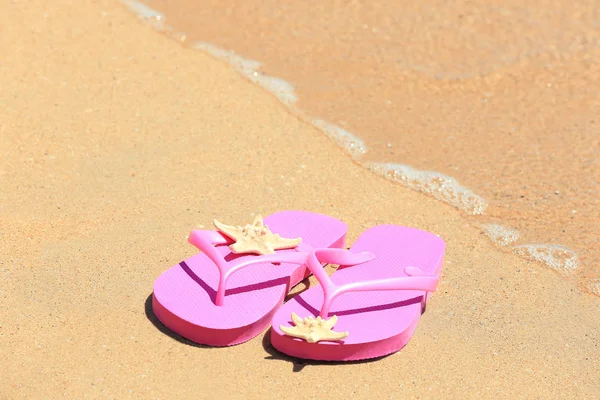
115, 142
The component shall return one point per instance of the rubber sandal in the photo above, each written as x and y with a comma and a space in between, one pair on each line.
369, 310
228, 293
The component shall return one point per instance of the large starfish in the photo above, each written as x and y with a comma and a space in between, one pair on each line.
313, 329
255, 238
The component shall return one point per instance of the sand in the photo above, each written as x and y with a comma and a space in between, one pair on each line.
115, 142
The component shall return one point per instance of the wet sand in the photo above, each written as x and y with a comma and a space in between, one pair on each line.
115, 142
504, 97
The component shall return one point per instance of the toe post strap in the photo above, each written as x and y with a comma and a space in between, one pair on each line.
206, 240
417, 279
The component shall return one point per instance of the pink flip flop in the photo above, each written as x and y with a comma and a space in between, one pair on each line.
369, 310
225, 295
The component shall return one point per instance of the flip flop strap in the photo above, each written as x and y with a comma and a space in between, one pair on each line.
205, 240
417, 279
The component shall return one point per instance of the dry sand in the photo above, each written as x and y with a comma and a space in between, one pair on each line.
115, 142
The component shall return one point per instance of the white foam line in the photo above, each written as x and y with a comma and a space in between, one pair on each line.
283, 90
241, 64
351, 143
286, 93
501, 235
142, 10
440, 186
556, 257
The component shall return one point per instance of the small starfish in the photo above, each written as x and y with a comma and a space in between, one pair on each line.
313, 329
256, 238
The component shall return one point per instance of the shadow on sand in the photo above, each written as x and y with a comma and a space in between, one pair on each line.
299, 364
159, 325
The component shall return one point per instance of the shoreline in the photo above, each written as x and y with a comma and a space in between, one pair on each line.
446, 189
117, 142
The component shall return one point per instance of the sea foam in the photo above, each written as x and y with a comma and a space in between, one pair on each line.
560, 258
283, 90
155, 18
500, 234
440, 186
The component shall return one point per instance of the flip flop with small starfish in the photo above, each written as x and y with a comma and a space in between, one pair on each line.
228, 293
369, 310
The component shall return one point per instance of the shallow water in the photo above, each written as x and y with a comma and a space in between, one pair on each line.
501, 101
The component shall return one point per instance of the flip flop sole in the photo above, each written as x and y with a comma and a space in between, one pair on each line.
184, 295
379, 322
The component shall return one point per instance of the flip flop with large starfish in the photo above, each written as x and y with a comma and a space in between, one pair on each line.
228, 293
369, 310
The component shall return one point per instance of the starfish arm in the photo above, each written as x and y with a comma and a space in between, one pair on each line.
237, 248
258, 221
243, 247
231, 231
291, 331
296, 319
285, 243
330, 323
336, 335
